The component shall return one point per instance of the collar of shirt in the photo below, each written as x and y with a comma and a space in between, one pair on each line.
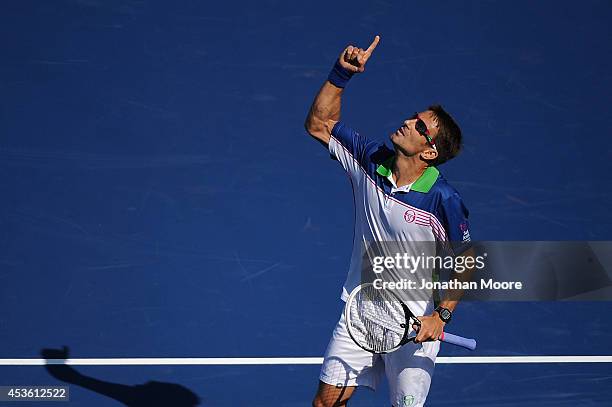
422, 184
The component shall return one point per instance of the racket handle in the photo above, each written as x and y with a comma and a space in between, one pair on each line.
467, 343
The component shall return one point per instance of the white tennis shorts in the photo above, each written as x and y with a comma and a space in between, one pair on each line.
409, 369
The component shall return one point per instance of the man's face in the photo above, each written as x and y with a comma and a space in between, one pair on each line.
408, 140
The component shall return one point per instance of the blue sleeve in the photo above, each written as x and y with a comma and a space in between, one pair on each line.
454, 216
349, 147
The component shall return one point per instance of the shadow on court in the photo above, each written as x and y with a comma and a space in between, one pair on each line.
151, 393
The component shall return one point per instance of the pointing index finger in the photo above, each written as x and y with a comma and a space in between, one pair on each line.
373, 45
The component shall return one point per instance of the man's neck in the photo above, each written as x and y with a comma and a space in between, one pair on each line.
406, 170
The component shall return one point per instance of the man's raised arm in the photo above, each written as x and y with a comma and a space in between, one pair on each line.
325, 110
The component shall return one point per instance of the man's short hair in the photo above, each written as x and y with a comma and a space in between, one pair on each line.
449, 139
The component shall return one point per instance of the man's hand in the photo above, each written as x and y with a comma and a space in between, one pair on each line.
431, 328
354, 59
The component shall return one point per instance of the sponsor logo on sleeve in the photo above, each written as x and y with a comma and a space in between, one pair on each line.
463, 226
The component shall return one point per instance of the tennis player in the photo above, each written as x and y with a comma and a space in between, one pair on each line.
399, 195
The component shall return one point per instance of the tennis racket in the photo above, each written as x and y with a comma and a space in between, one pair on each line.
379, 322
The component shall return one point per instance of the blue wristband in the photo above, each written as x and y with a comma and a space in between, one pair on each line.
339, 76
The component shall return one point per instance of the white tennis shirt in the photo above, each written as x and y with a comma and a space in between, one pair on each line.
428, 210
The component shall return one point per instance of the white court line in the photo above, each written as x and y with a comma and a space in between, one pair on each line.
293, 361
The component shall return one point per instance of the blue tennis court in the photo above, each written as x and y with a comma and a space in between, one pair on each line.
164, 214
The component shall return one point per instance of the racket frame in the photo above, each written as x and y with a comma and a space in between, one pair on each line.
410, 319
407, 325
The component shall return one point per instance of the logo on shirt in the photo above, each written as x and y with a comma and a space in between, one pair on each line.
463, 226
409, 216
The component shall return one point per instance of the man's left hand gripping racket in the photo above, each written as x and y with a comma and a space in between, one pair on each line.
379, 322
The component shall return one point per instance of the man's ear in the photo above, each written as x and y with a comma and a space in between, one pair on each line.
429, 155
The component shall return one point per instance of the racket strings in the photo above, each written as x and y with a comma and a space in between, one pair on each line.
377, 320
